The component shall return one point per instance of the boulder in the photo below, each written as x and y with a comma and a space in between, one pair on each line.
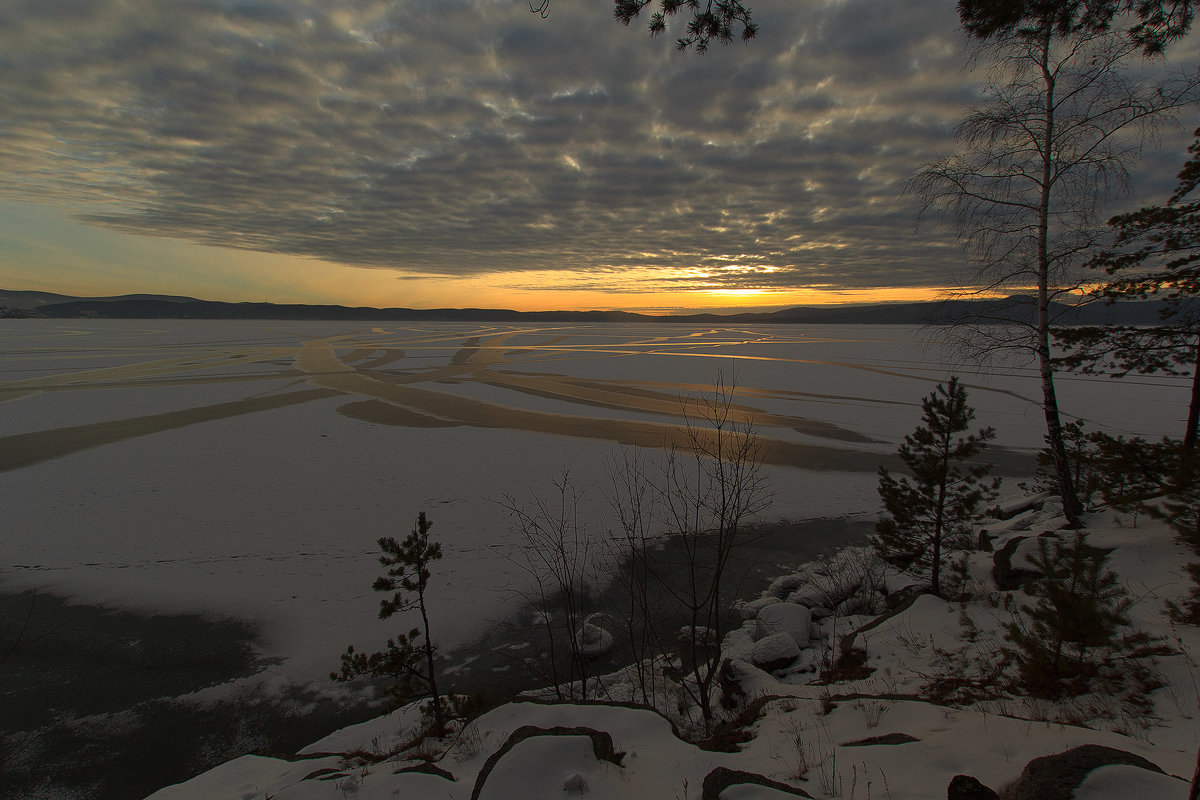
739, 643
593, 641
699, 635
750, 610
1006, 576
722, 778
1013, 505
965, 787
1057, 777
884, 739
774, 652
602, 748
794, 620
786, 584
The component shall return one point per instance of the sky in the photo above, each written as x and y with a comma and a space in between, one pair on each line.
468, 153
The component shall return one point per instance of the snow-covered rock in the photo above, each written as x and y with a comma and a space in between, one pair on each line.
1021, 502
593, 641
750, 610
739, 642
790, 618
774, 651
699, 635
785, 584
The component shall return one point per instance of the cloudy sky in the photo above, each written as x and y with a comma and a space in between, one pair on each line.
469, 153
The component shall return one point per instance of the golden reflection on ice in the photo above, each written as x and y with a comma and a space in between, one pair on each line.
400, 375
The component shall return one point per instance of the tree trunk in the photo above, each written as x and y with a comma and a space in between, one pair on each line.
1054, 438
1193, 422
439, 713
1194, 794
935, 578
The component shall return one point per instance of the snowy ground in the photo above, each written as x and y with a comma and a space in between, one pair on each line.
876, 735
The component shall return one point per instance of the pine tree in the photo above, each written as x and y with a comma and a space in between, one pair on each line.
1070, 631
407, 661
1155, 254
929, 513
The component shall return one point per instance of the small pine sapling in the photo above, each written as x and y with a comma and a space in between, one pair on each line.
1182, 492
1070, 632
1181, 509
930, 513
1131, 471
408, 660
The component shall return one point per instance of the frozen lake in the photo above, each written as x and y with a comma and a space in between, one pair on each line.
245, 469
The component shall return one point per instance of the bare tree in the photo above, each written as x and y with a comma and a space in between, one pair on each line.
558, 554
710, 487
679, 520
1038, 161
632, 499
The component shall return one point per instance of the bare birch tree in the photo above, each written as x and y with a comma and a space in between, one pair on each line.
1039, 160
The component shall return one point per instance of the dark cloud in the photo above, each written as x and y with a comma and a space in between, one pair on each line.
454, 138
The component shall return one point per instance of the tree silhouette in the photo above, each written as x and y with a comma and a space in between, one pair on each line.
1037, 162
1155, 254
931, 512
712, 19
1070, 631
1152, 23
407, 661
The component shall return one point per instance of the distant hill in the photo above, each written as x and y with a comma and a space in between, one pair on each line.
1018, 308
30, 301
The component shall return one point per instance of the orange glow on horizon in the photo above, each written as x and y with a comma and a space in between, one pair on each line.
60, 255
643, 291
458, 293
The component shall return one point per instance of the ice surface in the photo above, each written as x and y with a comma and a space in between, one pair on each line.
119, 493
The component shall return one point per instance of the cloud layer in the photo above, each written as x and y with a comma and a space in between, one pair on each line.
461, 137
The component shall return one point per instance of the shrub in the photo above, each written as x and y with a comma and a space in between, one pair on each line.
1072, 629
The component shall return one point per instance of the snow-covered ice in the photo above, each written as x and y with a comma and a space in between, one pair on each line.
271, 511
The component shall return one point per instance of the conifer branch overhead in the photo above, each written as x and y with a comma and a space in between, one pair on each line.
711, 20
1149, 24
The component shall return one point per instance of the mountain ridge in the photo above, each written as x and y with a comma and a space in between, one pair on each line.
1017, 308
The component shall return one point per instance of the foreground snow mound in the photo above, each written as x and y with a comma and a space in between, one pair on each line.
519, 751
